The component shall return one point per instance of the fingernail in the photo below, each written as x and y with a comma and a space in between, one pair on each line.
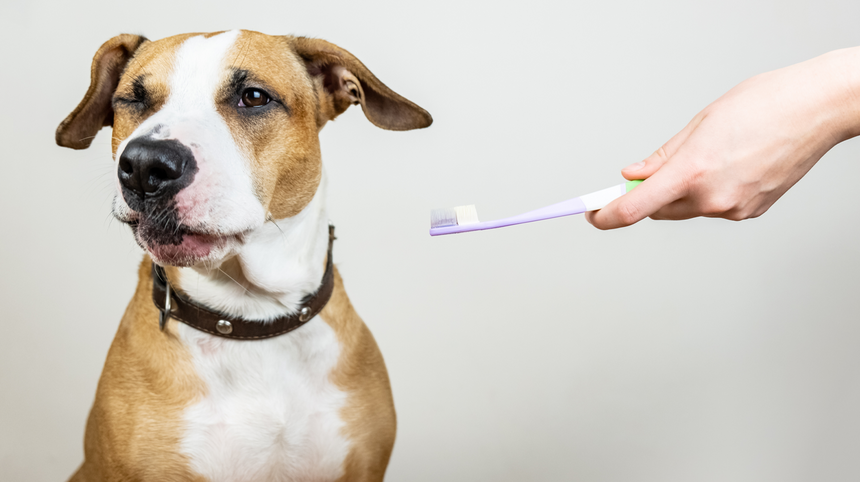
635, 167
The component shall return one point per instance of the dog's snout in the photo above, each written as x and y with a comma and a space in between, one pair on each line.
155, 168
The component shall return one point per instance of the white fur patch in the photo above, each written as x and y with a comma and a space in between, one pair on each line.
271, 412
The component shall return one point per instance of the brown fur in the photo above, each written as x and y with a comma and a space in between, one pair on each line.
135, 424
348, 81
94, 112
369, 413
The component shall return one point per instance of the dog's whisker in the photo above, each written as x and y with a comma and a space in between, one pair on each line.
180, 223
283, 234
233, 280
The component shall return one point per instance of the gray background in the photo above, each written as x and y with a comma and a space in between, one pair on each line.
703, 350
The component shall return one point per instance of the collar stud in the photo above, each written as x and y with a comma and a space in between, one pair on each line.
224, 327
305, 314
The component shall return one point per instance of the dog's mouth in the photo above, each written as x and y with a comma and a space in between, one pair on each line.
170, 242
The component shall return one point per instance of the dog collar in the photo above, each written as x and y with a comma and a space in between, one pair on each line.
172, 304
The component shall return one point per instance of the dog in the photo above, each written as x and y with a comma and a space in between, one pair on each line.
239, 357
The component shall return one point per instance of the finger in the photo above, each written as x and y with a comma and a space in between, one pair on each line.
664, 187
683, 208
734, 209
646, 168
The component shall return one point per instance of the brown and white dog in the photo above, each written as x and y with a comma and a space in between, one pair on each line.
220, 177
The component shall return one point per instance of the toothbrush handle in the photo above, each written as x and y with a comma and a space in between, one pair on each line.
577, 205
598, 200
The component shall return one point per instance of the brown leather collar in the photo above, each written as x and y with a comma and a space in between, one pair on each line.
193, 314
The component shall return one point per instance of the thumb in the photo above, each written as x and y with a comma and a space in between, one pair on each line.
630, 209
660, 189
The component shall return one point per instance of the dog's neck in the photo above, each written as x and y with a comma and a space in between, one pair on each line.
278, 265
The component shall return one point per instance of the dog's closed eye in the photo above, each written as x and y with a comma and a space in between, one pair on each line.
139, 97
254, 98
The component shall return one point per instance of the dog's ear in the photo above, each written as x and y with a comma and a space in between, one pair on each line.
94, 112
345, 81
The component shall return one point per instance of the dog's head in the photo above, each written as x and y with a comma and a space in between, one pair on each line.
212, 133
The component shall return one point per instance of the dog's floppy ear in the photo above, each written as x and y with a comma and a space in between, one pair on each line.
347, 81
94, 112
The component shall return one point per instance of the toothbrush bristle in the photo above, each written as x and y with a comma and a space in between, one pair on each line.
443, 217
458, 216
467, 215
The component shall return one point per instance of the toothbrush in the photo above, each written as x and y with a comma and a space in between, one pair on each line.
462, 219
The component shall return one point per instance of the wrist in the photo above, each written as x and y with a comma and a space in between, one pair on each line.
843, 69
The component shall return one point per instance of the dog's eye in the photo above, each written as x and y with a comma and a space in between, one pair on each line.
254, 98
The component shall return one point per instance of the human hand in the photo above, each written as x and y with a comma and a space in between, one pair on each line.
744, 151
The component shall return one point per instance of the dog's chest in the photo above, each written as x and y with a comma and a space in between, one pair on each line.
270, 411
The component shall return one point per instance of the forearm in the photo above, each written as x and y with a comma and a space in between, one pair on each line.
820, 96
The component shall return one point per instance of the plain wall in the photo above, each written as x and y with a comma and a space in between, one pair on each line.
703, 350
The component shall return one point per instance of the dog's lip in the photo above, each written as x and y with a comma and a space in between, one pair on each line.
210, 233
193, 245
131, 218
135, 221
192, 248
180, 245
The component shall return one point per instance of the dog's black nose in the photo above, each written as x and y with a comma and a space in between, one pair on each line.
155, 167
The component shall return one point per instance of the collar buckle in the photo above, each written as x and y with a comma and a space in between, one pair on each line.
164, 313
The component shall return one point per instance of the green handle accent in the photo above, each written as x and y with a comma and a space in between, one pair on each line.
631, 184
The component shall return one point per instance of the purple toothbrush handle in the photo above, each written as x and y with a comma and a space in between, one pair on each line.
564, 208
